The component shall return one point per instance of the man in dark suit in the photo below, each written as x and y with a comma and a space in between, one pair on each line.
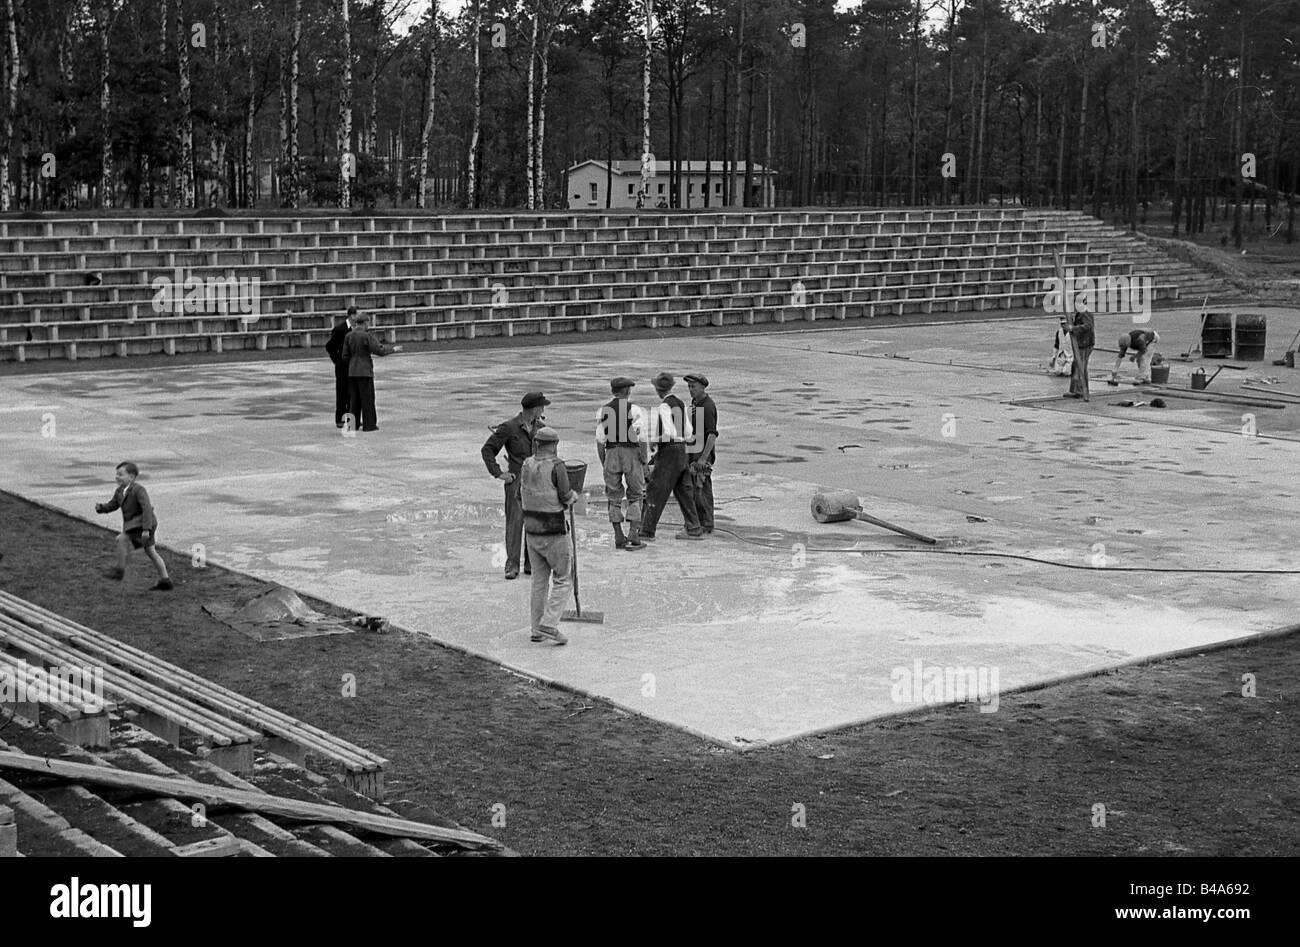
334, 348
358, 348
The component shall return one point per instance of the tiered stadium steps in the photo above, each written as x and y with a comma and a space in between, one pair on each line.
1192, 284
74, 288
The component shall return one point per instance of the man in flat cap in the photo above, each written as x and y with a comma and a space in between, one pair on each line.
699, 452
546, 495
670, 433
358, 347
516, 436
624, 453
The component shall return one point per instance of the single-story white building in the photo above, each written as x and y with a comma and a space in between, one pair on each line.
588, 179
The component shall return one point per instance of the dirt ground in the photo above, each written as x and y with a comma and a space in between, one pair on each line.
1182, 762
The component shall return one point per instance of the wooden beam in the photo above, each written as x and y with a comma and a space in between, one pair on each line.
213, 795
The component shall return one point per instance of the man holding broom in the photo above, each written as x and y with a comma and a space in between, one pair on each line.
546, 495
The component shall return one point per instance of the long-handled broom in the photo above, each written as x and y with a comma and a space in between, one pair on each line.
578, 472
1194, 347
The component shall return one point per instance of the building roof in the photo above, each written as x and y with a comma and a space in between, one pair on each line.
632, 168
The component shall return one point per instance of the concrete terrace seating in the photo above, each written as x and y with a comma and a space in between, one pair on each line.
74, 288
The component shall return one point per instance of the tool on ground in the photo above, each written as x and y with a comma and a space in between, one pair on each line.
842, 505
1200, 382
1195, 345
1288, 357
577, 478
1274, 393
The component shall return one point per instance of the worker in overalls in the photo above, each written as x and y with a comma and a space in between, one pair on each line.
545, 493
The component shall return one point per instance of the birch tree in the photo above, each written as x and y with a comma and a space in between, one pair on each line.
647, 169
554, 11
295, 43
185, 141
104, 21
476, 38
532, 126
345, 112
421, 197
13, 67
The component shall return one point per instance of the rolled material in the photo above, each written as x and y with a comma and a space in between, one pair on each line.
836, 506
841, 505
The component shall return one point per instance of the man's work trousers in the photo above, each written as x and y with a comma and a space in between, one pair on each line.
1079, 374
515, 524
670, 476
624, 464
703, 494
362, 401
1144, 364
342, 397
552, 558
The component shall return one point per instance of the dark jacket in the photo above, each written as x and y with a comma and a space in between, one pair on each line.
357, 349
137, 511
334, 347
516, 436
704, 421
1083, 330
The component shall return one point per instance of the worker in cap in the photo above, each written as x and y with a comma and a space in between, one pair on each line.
516, 436
1140, 341
699, 450
670, 432
621, 443
546, 494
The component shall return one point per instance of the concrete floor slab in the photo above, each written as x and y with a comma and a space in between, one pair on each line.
777, 625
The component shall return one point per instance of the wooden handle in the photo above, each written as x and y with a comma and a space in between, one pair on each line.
868, 518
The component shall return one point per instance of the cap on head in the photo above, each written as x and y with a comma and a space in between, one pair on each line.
534, 399
622, 381
663, 382
361, 319
352, 310
546, 435
698, 379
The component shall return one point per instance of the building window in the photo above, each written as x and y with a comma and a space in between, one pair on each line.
690, 188
593, 192
661, 188
717, 188
630, 191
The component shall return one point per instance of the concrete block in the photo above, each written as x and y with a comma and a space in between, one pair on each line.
369, 784
90, 730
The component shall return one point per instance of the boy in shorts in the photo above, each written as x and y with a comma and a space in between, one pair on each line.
139, 525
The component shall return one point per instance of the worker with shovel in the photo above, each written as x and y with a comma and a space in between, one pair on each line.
546, 495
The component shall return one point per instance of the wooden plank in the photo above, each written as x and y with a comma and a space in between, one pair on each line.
224, 846
129, 689
239, 708
254, 802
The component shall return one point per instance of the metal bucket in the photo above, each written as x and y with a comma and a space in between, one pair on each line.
577, 471
1198, 380
1159, 374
